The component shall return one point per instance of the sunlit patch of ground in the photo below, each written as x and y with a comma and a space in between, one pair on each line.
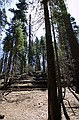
33, 105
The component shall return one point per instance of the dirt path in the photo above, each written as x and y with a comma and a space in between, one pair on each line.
32, 105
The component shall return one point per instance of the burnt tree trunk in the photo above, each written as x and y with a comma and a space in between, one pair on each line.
53, 106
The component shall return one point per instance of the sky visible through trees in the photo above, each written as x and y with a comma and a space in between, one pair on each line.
73, 7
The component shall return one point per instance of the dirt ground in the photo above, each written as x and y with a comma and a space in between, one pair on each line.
32, 105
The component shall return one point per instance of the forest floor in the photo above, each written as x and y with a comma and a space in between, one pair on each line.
32, 105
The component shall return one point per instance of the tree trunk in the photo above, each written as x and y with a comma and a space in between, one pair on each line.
53, 107
37, 67
58, 69
43, 57
9, 63
30, 43
1, 65
5, 70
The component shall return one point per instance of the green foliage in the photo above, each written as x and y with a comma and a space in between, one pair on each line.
15, 43
19, 36
7, 43
3, 18
14, 40
20, 12
22, 5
